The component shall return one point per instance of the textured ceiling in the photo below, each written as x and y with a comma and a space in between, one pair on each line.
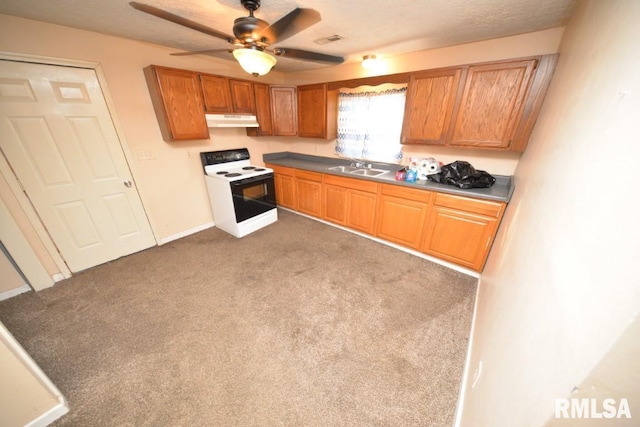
382, 27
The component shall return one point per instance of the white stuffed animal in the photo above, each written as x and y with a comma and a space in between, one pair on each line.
426, 167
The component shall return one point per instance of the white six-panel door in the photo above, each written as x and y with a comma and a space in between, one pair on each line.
57, 134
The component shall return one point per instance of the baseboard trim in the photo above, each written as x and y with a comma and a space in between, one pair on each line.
13, 292
51, 415
185, 233
435, 260
59, 277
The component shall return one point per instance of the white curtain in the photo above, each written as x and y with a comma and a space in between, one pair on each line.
369, 125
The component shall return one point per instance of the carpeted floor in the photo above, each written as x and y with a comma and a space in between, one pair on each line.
297, 324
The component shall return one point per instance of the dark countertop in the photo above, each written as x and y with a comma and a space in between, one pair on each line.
501, 191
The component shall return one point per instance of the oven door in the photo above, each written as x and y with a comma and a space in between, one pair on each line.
253, 196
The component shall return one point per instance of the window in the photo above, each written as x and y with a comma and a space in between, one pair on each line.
369, 125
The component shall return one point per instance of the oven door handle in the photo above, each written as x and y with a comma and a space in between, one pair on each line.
252, 179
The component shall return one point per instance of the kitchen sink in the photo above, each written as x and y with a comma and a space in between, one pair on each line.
345, 169
368, 172
358, 171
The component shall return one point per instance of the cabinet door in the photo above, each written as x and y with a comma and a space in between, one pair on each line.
242, 97
350, 202
431, 97
286, 191
462, 229
402, 213
309, 192
492, 104
283, 107
177, 100
217, 97
461, 237
317, 109
263, 111
362, 211
285, 186
335, 204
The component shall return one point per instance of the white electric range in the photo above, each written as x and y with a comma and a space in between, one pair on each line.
242, 195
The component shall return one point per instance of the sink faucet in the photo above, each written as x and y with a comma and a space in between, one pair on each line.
357, 163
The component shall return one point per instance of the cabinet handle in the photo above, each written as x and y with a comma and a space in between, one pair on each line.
127, 184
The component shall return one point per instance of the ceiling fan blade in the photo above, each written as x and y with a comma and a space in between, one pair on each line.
290, 24
306, 55
168, 16
202, 52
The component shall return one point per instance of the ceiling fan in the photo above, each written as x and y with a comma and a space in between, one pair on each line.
252, 37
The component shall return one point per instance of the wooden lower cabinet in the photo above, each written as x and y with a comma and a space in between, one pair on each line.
285, 186
401, 214
457, 229
350, 202
461, 230
309, 192
335, 199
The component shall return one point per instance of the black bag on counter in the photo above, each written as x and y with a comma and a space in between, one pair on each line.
463, 175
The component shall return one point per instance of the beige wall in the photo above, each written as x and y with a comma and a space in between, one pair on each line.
611, 379
26, 394
9, 278
171, 183
560, 286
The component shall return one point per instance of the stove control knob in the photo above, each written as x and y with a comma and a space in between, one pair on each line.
127, 184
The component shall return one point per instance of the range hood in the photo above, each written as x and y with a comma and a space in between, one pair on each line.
231, 121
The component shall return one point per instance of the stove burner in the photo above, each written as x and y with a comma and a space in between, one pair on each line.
231, 175
248, 168
260, 169
222, 173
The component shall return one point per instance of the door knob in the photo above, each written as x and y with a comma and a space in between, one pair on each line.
127, 184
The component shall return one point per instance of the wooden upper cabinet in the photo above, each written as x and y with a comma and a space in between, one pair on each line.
431, 98
217, 97
263, 111
492, 103
227, 96
317, 111
242, 97
283, 108
177, 99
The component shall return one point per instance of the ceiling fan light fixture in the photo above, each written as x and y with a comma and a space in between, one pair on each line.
254, 61
369, 61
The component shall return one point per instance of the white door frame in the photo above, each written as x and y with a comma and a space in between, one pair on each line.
14, 184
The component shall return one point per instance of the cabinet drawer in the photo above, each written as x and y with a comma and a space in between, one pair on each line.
281, 170
310, 176
352, 183
406, 193
482, 207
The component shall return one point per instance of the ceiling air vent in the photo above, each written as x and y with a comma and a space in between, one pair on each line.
330, 39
